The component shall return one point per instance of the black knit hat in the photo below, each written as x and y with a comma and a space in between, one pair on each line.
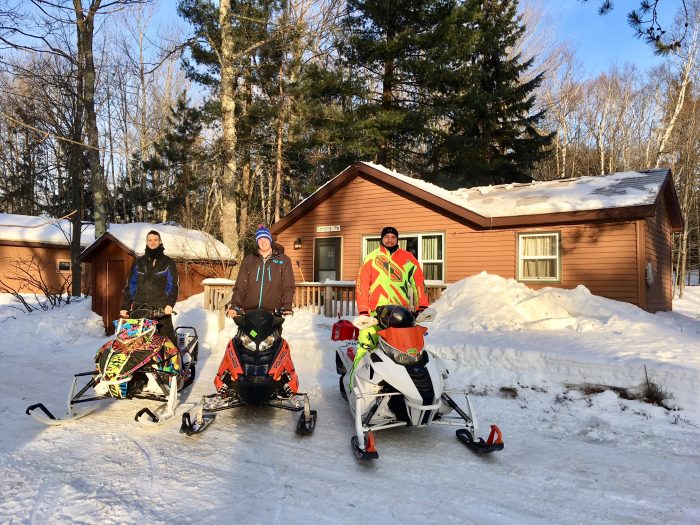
390, 229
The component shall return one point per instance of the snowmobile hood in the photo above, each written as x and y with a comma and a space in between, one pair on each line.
408, 341
258, 324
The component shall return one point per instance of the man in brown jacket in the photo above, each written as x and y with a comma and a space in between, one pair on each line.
265, 279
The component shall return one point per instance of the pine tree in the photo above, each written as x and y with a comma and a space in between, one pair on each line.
386, 46
177, 156
484, 129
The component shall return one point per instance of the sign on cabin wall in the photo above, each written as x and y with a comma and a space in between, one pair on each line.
321, 229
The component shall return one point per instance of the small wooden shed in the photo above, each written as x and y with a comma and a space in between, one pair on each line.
197, 254
611, 233
35, 250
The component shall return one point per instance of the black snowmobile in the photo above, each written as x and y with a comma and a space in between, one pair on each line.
257, 370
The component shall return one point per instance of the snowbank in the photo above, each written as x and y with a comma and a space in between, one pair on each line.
498, 332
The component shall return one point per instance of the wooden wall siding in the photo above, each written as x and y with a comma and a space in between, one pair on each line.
657, 247
361, 208
48, 260
191, 276
601, 256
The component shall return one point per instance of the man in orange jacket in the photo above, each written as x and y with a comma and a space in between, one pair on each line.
389, 275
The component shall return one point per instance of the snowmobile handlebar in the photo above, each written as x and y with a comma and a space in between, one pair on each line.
149, 313
279, 312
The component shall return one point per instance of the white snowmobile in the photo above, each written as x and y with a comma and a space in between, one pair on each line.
137, 363
400, 383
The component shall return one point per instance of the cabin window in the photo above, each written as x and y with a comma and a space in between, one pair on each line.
63, 266
539, 256
428, 248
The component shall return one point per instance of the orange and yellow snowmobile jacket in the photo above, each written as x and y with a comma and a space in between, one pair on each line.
386, 278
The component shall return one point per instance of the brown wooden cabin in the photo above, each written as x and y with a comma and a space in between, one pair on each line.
623, 253
111, 262
23, 262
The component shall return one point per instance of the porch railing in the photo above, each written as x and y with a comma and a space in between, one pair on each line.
328, 299
217, 293
333, 299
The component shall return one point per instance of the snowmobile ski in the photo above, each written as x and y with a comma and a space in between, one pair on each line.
197, 426
47, 418
369, 452
306, 425
494, 442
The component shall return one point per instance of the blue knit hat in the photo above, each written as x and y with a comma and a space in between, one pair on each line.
263, 233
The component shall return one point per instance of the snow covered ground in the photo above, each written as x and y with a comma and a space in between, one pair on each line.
571, 455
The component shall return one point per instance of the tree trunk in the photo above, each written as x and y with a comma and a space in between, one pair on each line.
244, 202
229, 208
387, 101
675, 111
278, 154
75, 167
85, 27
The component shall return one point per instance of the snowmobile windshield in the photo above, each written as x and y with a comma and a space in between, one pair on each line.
257, 326
395, 316
403, 345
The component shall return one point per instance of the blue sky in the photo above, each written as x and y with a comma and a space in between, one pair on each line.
602, 41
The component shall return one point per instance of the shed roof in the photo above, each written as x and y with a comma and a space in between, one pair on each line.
625, 195
179, 242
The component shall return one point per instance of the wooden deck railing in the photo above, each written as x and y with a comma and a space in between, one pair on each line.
341, 297
329, 299
217, 293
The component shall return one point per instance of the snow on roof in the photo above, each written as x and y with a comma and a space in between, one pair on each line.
39, 229
179, 242
617, 190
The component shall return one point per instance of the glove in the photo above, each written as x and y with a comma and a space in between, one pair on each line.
234, 311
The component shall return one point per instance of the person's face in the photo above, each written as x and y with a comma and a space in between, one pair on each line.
264, 244
390, 240
152, 241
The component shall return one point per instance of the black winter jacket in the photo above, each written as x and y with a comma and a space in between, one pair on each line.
155, 285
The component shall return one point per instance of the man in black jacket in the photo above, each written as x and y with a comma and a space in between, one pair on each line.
153, 283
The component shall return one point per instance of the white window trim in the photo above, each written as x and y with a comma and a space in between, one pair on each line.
364, 252
556, 257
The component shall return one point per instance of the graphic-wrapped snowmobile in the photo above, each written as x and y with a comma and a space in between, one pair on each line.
137, 363
256, 370
400, 382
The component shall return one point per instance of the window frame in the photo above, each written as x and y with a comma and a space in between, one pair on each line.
422, 262
58, 265
558, 257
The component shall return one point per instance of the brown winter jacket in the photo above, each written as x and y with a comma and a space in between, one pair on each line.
264, 283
